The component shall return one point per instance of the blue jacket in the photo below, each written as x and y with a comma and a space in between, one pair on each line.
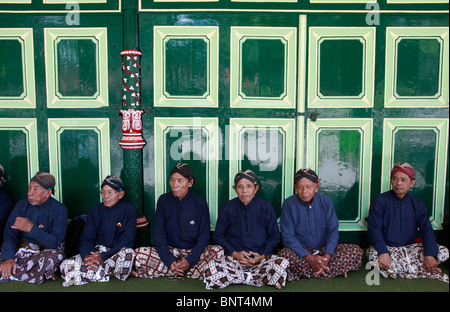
247, 228
395, 222
181, 224
113, 227
49, 226
304, 225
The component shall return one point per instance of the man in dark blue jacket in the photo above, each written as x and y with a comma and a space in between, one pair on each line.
107, 240
181, 232
310, 232
395, 217
34, 235
247, 229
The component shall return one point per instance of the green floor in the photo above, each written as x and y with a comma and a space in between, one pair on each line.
355, 282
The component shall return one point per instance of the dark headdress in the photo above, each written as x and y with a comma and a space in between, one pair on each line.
44, 179
184, 169
247, 174
306, 173
113, 182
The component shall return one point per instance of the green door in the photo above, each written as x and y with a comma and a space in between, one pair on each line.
347, 88
277, 87
224, 100
60, 76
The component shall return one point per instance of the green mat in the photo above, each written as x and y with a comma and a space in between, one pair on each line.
363, 280
159, 293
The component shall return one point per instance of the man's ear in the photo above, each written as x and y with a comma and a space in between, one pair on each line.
49, 193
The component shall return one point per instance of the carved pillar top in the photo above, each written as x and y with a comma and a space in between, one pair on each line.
131, 77
131, 99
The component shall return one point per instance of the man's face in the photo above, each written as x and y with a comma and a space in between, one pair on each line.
246, 190
401, 183
110, 196
37, 195
180, 185
306, 189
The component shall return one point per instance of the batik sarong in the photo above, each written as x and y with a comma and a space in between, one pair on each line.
346, 257
35, 264
74, 272
149, 265
407, 262
226, 271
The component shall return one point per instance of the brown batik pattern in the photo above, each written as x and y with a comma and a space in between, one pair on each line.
35, 264
225, 271
346, 257
407, 262
149, 265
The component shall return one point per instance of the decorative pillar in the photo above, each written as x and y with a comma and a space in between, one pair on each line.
132, 141
131, 100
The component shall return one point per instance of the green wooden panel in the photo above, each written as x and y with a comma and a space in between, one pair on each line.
418, 147
422, 142
418, 67
79, 170
263, 68
188, 146
186, 67
262, 152
340, 151
193, 141
341, 68
17, 81
81, 54
11, 68
264, 146
81, 143
19, 153
338, 167
76, 68
13, 158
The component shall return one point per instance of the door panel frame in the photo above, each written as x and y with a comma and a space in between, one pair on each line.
440, 127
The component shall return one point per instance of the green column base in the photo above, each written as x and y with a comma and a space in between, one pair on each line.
132, 177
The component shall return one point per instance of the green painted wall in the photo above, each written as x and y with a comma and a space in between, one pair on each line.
229, 85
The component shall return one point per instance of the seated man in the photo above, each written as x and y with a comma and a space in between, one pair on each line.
33, 244
394, 220
310, 232
181, 232
107, 240
247, 229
